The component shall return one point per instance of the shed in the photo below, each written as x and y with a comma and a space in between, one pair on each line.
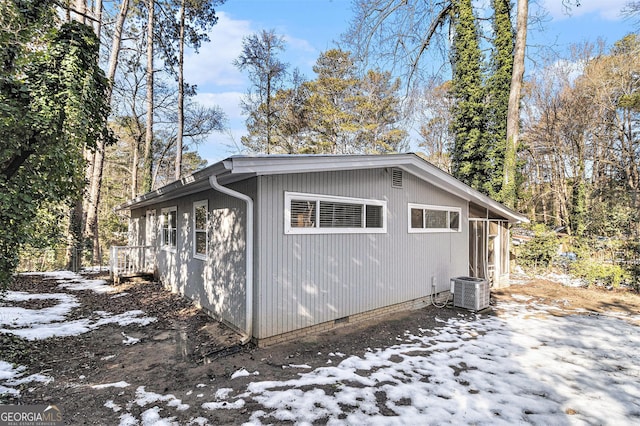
282, 245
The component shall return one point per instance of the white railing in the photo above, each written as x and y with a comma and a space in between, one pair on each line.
131, 260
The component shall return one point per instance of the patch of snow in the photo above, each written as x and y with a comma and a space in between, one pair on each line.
127, 419
144, 398
151, 417
107, 358
75, 282
201, 385
523, 367
223, 393
201, 421
38, 324
564, 279
120, 384
224, 405
128, 340
14, 316
298, 366
12, 376
97, 286
135, 317
521, 297
243, 373
115, 407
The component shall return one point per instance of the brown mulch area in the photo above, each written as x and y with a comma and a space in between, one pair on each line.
188, 354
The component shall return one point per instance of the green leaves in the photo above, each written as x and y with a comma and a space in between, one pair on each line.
52, 93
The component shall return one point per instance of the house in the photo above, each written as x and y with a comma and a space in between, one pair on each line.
280, 246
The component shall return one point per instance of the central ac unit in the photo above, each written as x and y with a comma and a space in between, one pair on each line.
470, 293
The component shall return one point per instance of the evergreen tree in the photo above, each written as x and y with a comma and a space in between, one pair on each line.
498, 87
331, 103
469, 154
378, 113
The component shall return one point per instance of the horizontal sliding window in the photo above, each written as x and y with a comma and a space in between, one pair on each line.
428, 218
325, 214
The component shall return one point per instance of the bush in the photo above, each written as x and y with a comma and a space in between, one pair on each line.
540, 251
594, 272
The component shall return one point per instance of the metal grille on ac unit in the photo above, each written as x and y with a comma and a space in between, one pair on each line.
470, 293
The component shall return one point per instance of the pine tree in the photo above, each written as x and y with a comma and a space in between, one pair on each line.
469, 154
332, 98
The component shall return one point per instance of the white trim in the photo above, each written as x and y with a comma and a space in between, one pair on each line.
196, 205
150, 228
288, 229
163, 244
424, 207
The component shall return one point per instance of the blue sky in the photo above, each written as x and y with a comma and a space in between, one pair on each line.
311, 27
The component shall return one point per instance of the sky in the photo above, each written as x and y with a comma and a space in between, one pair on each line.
313, 26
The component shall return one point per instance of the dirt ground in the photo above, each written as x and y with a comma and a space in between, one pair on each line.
188, 354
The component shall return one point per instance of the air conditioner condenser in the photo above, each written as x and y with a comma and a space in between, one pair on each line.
470, 293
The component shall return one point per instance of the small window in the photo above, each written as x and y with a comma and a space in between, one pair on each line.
169, 227
426, 218
200, 220
324, 214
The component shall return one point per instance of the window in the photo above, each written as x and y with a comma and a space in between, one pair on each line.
169, 227
324, 214
425, 218
200, 219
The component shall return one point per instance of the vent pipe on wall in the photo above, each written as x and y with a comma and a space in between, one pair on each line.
213, 181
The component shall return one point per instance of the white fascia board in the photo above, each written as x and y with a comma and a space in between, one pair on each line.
445, 181
270, 165
283, 164
195, 182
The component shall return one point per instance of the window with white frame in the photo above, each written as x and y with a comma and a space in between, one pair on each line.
428, 218
200, 219
326, 214
169, 227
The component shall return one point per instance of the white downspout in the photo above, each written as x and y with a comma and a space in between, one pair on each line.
213, 181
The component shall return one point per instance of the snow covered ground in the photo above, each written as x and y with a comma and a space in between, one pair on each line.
522, 366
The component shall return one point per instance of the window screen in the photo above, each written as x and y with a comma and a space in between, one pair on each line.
309, 213
425, 218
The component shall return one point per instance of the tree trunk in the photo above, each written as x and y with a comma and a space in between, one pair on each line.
513, 112
97, 13
91, 222
134, 168
180, 129
148, 138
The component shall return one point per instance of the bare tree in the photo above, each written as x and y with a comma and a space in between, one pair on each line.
259, 58
148, 139
513, 112
97, 163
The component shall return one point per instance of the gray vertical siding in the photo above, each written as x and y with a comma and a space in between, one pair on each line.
218, 282
304, 280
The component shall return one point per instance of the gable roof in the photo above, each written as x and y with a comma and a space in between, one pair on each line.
237, 168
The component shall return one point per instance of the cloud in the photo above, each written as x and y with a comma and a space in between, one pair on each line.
609, 10
213, 65
229, 102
